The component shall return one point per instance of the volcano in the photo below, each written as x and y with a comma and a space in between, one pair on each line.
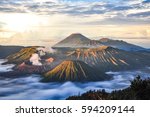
21, 56
107, 58
120, 44
77, 40
73, 71
73, 41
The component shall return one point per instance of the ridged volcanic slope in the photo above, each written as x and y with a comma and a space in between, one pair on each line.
74, 71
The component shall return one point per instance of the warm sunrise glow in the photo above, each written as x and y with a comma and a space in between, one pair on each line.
53, 20
21, 22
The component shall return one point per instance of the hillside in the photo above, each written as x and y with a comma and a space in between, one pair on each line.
120, 44
138, 90
21, 56
109, 59
74, 71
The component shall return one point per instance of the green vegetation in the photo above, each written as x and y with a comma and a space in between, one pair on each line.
138, 90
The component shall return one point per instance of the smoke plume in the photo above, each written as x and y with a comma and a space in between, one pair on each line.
35, 60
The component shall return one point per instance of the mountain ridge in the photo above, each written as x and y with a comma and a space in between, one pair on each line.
108, 58
77, 40
120, 44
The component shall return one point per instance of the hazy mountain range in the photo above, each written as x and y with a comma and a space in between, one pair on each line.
77, 58
78, 40
8, 50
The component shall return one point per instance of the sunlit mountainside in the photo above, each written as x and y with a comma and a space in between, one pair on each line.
53, 49
74, 71
77, 58
21, 56
109, 58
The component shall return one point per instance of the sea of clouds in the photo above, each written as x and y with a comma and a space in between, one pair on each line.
5, 68
29, 87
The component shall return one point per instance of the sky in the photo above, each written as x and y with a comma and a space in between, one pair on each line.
45, 22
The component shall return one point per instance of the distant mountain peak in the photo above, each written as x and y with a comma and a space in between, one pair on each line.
76, 34
77, 40
120, 44
73, 40
104, 39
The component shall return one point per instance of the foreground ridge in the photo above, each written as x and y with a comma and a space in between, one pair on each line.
138, 90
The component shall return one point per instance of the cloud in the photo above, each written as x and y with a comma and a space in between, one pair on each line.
141, 14
146, 1
122, 8
71, 7
108, 9
2, 24
55, 19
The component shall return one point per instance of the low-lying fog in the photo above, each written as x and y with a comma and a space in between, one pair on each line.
30, 87
5, 68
